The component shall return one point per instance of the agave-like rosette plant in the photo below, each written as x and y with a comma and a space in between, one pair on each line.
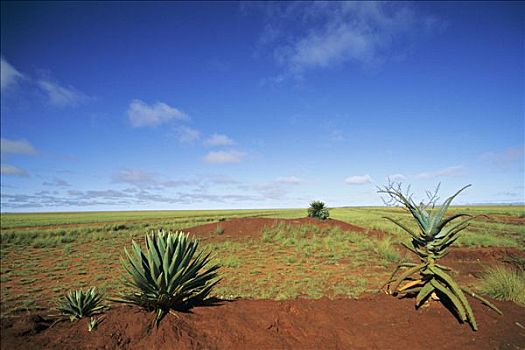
430, 242
79, 303
318, 210
168, 274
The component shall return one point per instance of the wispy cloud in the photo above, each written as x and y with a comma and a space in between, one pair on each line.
9, 75
62, 96
57, 94
185, 134
224, 157
291, 180
218, 140
135, 177
450, 171
358, 180
16, 147
112, 197
56, 182
11, 170
396, 177
325, 34
505, 158
146, 179
142, 114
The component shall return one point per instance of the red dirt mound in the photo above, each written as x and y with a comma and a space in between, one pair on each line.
373, 322
252, 227
489, 255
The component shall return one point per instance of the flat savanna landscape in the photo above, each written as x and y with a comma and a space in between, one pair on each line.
287, 281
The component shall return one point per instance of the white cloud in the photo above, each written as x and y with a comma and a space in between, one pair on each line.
9, 76
358, 180
291, 180
143, 115
450, 171
16, 147
61, 96
325, 33
186, 134
224, 157
219, 140
396, 177
11, 170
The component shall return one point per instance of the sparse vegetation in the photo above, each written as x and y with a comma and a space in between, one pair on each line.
285, 261
318, 210
387, 251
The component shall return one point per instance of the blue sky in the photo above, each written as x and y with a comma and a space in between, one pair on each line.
120, 106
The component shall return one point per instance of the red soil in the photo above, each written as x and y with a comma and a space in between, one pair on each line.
507, 219
376, 321
372, 322
252, 227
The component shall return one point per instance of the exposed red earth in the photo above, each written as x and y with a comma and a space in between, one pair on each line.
374, 321
245, 228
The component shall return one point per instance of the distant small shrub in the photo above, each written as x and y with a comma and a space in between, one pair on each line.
219, 230
318, 210
79, 303
222, 219
116, 227
503, 283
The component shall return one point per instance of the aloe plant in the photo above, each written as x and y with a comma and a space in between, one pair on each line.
168, 274
430, 242
318, 210
79, 303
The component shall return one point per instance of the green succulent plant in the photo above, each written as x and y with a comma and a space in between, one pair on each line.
79, 303
430, 242
168, 274
318, 210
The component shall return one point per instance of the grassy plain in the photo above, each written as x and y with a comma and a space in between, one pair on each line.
46, 254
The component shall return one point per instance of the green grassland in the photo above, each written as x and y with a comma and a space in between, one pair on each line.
13, 220
43, 255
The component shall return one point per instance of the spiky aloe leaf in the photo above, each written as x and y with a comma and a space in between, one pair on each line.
168, 274
457, 291
453, 299
438, 217
483, 300
79, 303
405, 275
425, 292
406, 229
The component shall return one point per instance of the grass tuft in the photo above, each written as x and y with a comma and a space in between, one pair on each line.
503, 283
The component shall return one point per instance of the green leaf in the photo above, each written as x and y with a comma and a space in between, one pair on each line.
425, 292
453, 299
406, 274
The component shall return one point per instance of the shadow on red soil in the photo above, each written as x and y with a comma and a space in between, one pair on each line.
372, 322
